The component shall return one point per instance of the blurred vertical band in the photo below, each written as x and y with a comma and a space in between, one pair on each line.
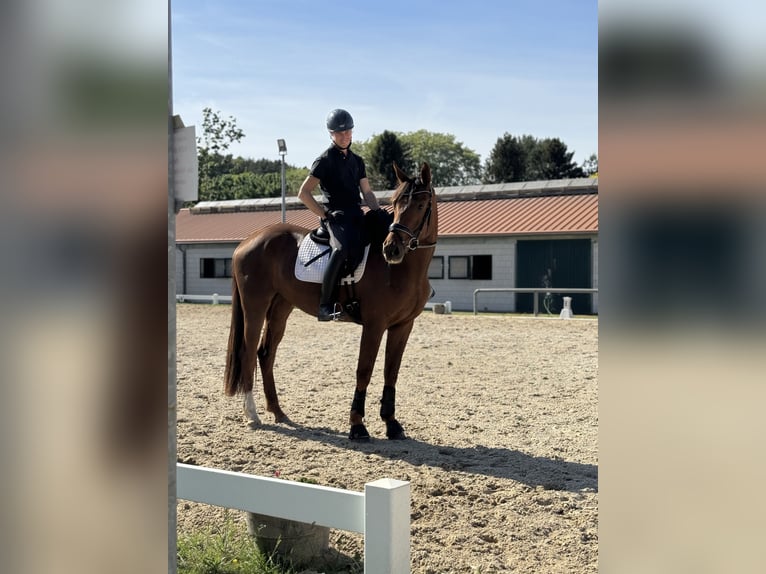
82, 291
682, 132
172, 205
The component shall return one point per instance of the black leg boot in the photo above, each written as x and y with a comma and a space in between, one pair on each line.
329, 286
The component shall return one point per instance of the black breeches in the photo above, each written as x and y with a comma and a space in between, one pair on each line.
346, 235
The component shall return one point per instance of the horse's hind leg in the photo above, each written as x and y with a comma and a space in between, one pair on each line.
276, 321
253, 325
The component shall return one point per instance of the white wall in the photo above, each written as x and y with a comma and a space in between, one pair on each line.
179, 270
460, 291
196, 285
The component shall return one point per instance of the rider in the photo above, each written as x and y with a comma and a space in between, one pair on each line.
341, 175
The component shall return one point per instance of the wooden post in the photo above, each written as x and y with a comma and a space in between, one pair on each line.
387, 527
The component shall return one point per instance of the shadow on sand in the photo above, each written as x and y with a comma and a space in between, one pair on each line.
550, 473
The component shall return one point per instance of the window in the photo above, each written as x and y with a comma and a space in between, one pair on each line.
436, 268
459, 267
210, 268
470, 267
481, 267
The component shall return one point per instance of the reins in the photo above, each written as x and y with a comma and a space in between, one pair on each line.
414, 242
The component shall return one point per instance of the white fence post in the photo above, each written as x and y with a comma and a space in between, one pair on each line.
387, 527
381, 513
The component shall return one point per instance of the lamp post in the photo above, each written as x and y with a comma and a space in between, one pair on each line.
283, 153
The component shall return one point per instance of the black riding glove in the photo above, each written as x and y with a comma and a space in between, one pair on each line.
335, 216
383, 217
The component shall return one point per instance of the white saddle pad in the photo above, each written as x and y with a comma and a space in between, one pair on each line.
313, 271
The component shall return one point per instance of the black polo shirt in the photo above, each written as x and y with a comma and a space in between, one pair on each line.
339, 176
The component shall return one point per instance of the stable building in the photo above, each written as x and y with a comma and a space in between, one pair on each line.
512, 235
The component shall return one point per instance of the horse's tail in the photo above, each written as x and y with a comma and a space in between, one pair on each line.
232, 379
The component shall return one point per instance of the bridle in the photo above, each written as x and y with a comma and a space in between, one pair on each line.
414, 242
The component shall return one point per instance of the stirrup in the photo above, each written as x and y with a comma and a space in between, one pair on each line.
333, 315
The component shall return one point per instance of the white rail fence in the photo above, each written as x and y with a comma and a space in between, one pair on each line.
381, 513
215, 299
535, 290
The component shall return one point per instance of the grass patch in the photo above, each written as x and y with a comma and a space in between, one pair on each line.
231, 550
228, 550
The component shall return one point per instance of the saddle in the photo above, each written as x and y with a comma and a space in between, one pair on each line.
314, 253
320, 235
314, 250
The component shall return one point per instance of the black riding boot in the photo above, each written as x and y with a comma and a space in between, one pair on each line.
329, 286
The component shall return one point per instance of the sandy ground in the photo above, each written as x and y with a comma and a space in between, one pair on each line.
502, 417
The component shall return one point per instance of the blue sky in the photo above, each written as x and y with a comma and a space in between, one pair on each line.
471, 69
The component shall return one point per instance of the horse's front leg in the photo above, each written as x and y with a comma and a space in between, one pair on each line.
368, 352
396, 342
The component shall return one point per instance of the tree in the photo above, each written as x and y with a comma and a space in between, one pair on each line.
507, 161
263, 165
224, 177
217, 135
526, 158
384, 150
362, 149
590, 166
451, 163
294, 177
554, 160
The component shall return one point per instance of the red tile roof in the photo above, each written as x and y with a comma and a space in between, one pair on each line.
520, 216
233, 227
536, 211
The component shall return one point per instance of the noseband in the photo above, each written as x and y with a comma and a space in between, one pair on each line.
414, 243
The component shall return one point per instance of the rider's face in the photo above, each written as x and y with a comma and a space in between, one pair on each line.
341, 139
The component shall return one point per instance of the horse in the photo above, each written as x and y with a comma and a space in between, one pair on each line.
391, 293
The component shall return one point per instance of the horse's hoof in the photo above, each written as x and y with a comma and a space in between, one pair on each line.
252, 420
359, 433
282, 419
250, 411
394, 430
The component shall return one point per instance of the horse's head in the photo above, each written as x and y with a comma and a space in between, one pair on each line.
414, 225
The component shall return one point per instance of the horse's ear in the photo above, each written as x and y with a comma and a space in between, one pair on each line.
400, 175
425, 174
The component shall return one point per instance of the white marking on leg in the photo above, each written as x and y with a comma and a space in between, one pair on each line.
249, 406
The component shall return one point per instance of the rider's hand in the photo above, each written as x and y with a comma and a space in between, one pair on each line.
383, 216
334, 216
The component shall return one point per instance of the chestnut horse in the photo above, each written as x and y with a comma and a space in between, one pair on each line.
392, 292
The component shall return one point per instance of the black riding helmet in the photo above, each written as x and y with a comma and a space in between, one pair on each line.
339, 121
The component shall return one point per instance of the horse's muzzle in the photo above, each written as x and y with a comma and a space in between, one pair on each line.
393, 249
